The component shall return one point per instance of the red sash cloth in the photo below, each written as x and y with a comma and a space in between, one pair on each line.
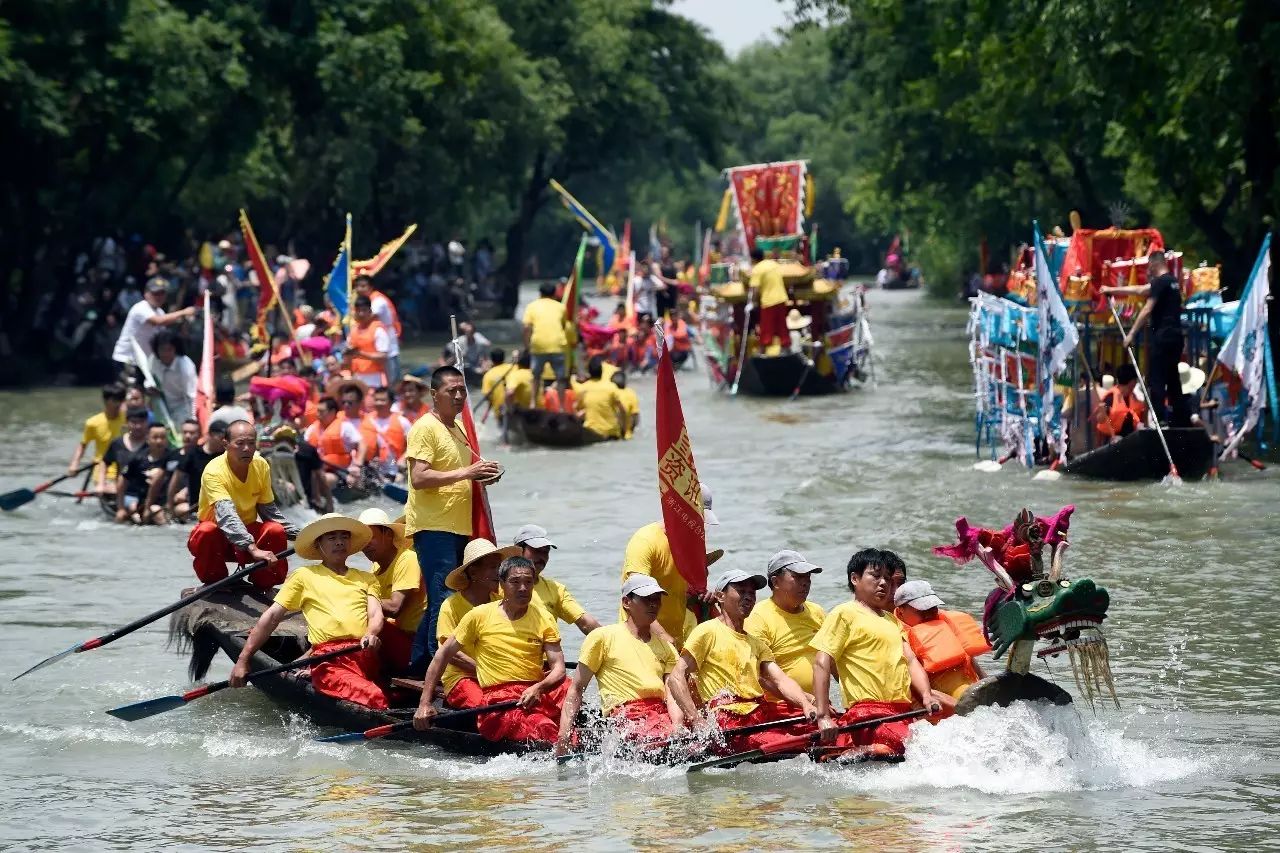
781, 709
539, 724
892, 735
765, 712
773, 326
212, 551
643, 720
397, 648
466, 693
351, 677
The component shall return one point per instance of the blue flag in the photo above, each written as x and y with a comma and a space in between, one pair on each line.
608, 242
338, 287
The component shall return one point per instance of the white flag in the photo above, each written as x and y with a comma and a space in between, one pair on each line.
1058, 340
1244, 351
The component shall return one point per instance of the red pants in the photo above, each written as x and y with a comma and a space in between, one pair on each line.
643, 720
396, 649
773, 325
466, 693
351, 677
209, 545
765, 712
540, 724
891, 735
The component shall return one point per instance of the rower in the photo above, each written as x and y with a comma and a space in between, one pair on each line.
391, 430
897, 570
630, 404
235, 492
341, 609
368, 345
144, 479
101, 429
862, 643
518, 388
1120, 411
397, 584
946, 642
123, 449
337, 440
184, 483
475, 582
411, 403
632, 665
648, 552
787, 621
509, 639
554, 597
600, 405
493, 384
733, 669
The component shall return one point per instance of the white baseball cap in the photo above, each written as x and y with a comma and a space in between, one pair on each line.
739, 576
641, 585
533, 536
708, 517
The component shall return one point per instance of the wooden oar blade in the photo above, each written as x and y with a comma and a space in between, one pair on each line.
726, 760
50, 660
396, 492
18, 497
149, 708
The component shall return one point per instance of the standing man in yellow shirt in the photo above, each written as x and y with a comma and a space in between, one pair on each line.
545, 335
554, 597
733, 668
102, 428
397, 582
239, 519
788, 621
632, 665
600, 405
862, 643
474, 583
509, 637
630, 404
341, 609
442, 466
767, 281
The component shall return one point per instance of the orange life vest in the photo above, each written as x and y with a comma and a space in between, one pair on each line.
947, 642
363, 339
391, 441
680, 341
331, 446
1120, 412
412, 415
554, 402
395, 317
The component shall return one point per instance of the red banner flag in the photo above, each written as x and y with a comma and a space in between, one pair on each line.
678, 484
481, 515
205, 379
268, 295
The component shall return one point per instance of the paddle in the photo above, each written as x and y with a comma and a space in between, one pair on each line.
804, 374
202, 592
405, 725
744, 730
1254, 462
742, 355
798, 741
80, 495
10, 501
1172, 479
396, 492
151, 707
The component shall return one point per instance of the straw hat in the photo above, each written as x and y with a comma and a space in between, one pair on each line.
379, 518
1190, 377
410, 378
797, 321
335, 387
305, 544
476, 550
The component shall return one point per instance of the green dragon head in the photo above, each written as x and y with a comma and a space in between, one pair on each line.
1060, 612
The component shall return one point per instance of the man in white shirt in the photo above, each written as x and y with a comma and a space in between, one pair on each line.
645, 289
474, 346
175, 375
143, 321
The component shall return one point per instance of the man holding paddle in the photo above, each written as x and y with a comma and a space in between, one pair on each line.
787, 622
102, 428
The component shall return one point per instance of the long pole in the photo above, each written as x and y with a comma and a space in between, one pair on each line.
742, 349
1151, 403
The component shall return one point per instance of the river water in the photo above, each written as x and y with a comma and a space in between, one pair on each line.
1190, 762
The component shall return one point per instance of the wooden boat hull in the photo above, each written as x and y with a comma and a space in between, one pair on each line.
1139, 456
550, 429
778, 376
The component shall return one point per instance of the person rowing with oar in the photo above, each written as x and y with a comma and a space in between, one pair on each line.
101, 429
552, 595
341, 607
787, 622
474, 583
862, 643
732, 670
508, 641
398, 585
632, 664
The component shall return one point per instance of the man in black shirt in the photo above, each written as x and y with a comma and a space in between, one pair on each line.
1164, 310
122, 449
143, 479
184, 485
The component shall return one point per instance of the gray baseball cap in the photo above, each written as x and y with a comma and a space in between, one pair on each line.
739, 576
533, 536
708, 517
641, 585
792, 560
918, 594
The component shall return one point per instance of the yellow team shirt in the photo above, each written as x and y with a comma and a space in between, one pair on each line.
649, 553
506, 650
627, 667
728, 664
598, 400
788, 636
219, 483
867, 650
403, 575
335, 606
448, 508
102, 430
631, 404
767, 276
607, 369
493, 384
519, 388
451, 613
546, 316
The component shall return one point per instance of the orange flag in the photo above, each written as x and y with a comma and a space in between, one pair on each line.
678, 484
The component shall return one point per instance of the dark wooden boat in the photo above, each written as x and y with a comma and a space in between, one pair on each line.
550, 429
779, 376
1139, 456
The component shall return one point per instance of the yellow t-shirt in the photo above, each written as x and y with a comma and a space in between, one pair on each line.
649, 553
788, 636
627, 668
403, 575
546, 316
101, 430
728, 664
555, 598
493, 384
218, 483
867, 650
631, 403
767, 276
598, 400
335, 606
506, 650
607, 369
451, 613
519, 388
447, 508
690, 622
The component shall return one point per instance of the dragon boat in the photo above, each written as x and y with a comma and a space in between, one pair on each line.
548, 429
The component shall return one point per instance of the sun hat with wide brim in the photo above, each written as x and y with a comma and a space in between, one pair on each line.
375, 517
476, 550
1190, 378
410, 379
305, 544
797, 321
335, 387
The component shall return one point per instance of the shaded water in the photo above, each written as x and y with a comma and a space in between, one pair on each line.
1190, 762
